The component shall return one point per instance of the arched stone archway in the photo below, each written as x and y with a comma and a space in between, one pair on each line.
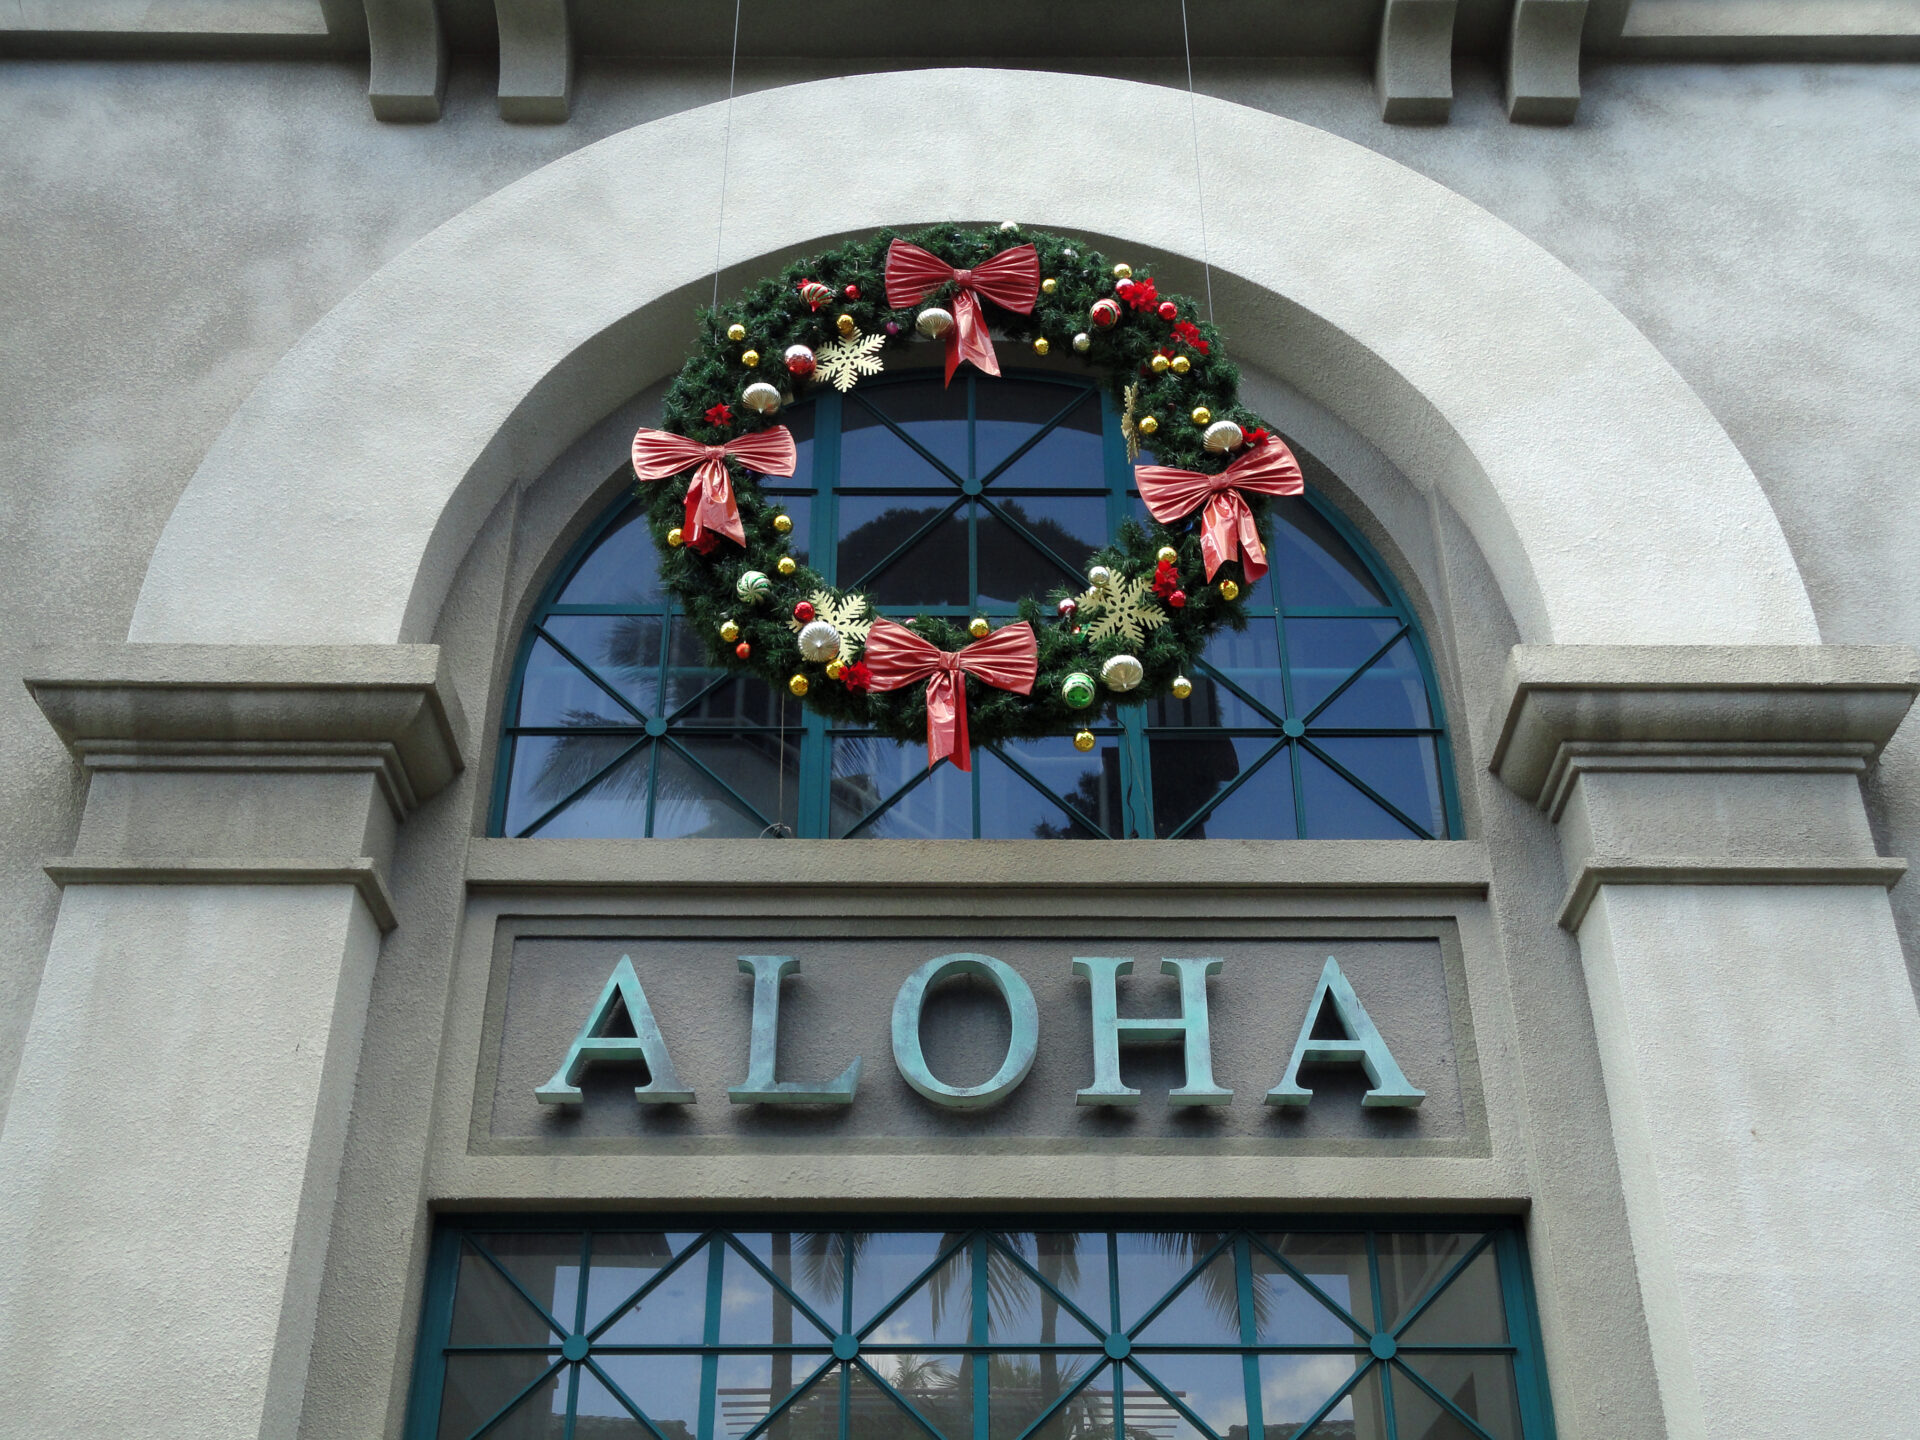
1611, 505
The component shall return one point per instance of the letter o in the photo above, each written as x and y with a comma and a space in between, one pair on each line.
1022, 1045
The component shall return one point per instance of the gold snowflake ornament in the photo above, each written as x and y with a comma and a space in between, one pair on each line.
847, 614
845, 361
1120, 605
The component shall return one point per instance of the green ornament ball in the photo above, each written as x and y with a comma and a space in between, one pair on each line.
753, 587
1077, 690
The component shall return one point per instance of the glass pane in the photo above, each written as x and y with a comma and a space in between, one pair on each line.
478, 1385
1148, 1412
1412, 1263
1316, 568
1294, 1387
1250, 658
1481, 1385
1073, 453
752, 1312
1336, 1263
613, 807
673, 1312
621, 569
799, 509
1468, 1312
623, 650
1206, 1311
799, 419
1337, 811
1152, 1263
749, 1385
1321, 654
885, 1263
1025, 1312
938, 808
1285, 1312
938, 1312
599, 1415
1075, 1265
694, 698
1214, 1387
1188, 771
934, 414
816, 1414
555, 693
623, 1261
692, 802
1022, 1388
1012, 809
939, 1387
809, 1263
1404, 769
546, 1265
1013, 566
665, 1388
931, 571
1261, 809
1391, 694
487, 1310
549, 768
1008, 412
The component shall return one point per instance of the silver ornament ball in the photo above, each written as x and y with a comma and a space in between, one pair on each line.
1099, 575
761, 397
819, 641
1083, 342
1223, 435
1121, 672
933, 322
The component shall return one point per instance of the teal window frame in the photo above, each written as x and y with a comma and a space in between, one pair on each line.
1287, 729
989, 1254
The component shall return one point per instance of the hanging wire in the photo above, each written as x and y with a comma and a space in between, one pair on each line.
1199, 189
726, 153
779, 829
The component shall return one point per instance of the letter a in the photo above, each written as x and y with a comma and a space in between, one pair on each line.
1361, 1045
594, 1045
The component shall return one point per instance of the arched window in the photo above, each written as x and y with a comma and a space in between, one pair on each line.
1320, 720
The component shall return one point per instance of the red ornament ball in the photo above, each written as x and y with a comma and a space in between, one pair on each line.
743, 649
1105, 314
800, 361
1123, 288
803, 612
852, 292
1177, 599
1169, 310
1067, 608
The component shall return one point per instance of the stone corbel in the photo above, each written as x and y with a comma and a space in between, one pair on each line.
1543, 61
1413, 67
407, 48
1703, 765
250, 764
536, 61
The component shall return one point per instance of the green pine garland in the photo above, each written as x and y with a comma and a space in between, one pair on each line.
774, 315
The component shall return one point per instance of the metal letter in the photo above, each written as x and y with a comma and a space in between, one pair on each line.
1363, 1045
594, 1045
1110, 1032
763, 1051
1022, 1045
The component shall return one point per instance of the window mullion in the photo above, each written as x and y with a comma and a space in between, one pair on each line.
977, 1332
1136, 773
710, 1336
1249, 1336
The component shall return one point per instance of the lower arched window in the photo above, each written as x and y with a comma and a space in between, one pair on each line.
1320, 720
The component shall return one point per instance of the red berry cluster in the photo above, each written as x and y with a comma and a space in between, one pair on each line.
857, 676
719, 415
1140, 294
1188, 333
1166, 584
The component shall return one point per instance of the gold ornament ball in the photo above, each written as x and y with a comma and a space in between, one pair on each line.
783, 523
676, 537
1148, 424
1159, 364
1166, 555
1040, 346
835, 670
736, 332
1201, 415
787, 565
1123, 272
845, 325
978, 627
1083, 741
1181, 364
1049, 285
798, 684
1182, 687
729, 631
1229, 590
749, 358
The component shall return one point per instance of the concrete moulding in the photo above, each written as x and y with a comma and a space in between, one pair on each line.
407, 69
361, 872
1413, 67
1693, 707
388, 708
1602, 870
536, 61
1543, 61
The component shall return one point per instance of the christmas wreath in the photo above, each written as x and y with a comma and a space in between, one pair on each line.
1153, 596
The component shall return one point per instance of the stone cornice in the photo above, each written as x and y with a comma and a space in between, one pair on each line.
1709, 707
388, 708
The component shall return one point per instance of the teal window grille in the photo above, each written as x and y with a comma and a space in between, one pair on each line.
1287, 1330
1320, 720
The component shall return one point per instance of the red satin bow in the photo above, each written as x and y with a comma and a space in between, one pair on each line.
1227, 527
1008, 659
1010, 280
711, 510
